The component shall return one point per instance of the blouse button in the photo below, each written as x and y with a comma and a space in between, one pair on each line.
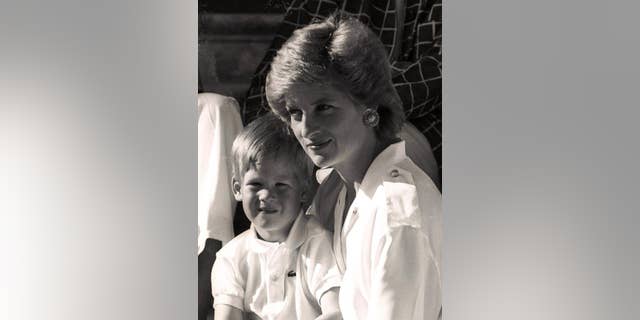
274, 277
394, 173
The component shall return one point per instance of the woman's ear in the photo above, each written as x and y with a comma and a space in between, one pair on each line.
371, 117
235, 186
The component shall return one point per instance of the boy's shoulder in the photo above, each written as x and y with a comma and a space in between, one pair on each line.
317, 238
236, 246
314, 229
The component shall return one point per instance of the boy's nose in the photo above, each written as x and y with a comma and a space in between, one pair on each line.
265, 195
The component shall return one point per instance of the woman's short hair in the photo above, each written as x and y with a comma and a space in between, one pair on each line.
346, 53
270, 137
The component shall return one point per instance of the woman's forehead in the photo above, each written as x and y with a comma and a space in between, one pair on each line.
314, 93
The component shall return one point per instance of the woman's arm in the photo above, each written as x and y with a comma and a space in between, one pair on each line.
329, 305
227, 312
405, 278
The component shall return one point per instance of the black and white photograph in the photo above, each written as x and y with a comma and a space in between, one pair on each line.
319, 159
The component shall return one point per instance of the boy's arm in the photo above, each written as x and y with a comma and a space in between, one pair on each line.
227, 312
227, 286
320, 272
329, 305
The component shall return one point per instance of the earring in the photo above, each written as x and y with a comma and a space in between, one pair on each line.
370, 117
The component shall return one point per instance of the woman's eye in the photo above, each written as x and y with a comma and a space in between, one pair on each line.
295, 114
324, 107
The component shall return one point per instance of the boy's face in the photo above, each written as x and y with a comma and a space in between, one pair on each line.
271, 197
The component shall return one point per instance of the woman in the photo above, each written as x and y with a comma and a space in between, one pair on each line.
331, 82
411, 32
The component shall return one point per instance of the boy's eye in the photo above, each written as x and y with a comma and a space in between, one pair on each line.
282, 185
254, 184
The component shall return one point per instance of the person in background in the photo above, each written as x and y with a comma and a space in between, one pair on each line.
218, 124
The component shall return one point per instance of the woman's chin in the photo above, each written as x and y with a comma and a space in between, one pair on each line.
320, 161
322, 157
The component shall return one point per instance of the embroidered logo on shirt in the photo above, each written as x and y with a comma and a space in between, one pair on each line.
291, 274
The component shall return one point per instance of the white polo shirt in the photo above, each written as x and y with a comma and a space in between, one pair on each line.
277, 280
389, 244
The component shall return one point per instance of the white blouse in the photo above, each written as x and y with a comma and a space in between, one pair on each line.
388, 246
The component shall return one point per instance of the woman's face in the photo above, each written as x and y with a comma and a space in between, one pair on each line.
327, 123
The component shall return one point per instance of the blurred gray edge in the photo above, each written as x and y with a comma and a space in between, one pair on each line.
98, 160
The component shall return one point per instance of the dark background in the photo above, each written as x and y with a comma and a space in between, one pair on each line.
233, 37
241, 6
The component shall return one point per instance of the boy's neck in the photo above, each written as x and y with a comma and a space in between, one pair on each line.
274, 236
271, 237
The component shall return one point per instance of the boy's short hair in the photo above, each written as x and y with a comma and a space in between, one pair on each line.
270, 137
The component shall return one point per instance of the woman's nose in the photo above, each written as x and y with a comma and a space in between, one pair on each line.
308, 125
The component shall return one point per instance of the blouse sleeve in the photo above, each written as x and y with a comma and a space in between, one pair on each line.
405, 259
405, 277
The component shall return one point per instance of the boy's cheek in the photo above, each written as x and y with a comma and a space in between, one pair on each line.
248, 211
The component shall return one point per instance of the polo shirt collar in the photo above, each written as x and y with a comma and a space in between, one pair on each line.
296, 237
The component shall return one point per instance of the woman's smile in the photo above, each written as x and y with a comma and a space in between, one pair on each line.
319, 144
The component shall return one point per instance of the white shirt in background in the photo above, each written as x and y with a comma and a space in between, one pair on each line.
218, 124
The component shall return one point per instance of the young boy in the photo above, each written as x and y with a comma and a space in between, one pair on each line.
283, 267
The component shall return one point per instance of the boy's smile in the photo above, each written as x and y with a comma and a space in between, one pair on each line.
271, 197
